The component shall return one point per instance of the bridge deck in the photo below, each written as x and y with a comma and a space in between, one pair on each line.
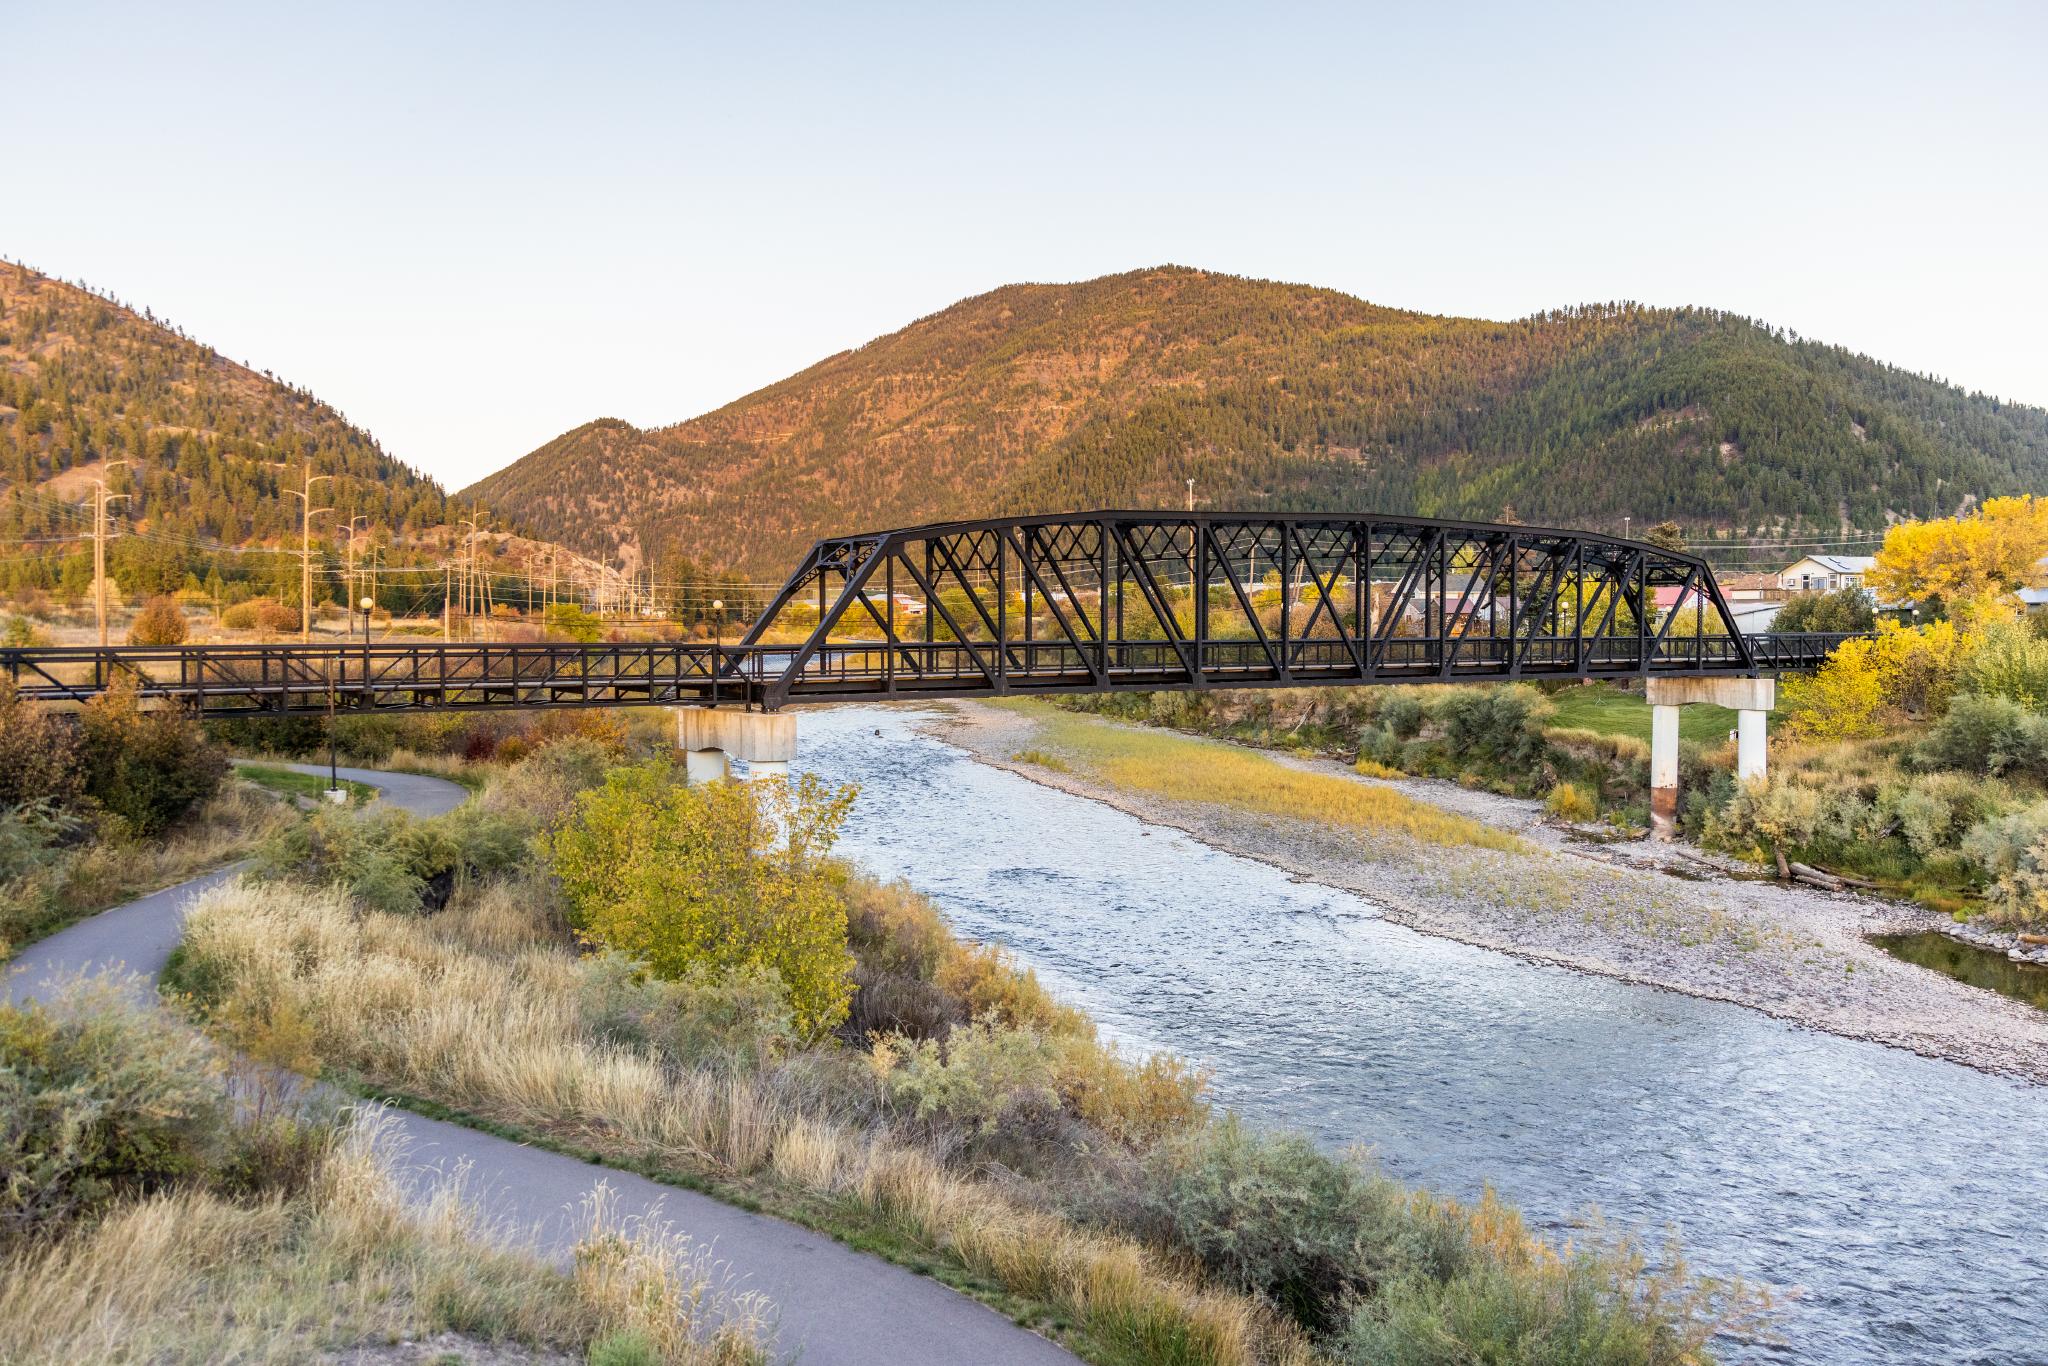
293, 679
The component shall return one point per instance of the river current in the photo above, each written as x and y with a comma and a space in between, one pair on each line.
1896, 1204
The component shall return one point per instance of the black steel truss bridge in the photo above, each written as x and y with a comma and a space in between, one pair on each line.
1083, 602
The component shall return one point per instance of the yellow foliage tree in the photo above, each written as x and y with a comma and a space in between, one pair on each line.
1906, 668
1972, 564
725, 878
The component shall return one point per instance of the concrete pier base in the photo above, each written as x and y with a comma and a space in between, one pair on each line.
705, 766
1750, 698
709, 736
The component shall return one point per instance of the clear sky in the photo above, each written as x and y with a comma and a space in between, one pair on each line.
473, 228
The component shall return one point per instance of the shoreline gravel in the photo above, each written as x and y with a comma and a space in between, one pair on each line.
1665, 916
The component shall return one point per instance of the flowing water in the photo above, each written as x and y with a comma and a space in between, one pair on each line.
1900, 1204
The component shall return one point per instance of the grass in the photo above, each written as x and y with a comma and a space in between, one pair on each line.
86, 880
301, 979
1606, 709
188, 1276
290, 782
1187, 769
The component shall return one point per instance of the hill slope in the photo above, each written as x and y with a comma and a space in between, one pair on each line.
85, 381
1114, 391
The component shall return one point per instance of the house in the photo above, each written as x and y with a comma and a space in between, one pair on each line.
1825, 573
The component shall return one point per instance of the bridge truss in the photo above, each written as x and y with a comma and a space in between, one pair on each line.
1093, 602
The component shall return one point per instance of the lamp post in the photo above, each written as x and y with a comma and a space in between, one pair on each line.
368, 604
718, 645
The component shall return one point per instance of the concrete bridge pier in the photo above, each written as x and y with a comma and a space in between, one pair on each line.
709, 736
1749, 698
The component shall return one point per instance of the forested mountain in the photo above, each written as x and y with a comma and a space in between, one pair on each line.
1115, 391
86, 382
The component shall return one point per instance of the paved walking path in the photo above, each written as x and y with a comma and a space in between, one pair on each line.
835, 1306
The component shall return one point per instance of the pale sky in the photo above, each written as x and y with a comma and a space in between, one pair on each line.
473, 228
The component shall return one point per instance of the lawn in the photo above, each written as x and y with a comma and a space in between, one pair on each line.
292, 783
1607, 710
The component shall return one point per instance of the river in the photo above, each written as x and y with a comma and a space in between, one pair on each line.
1899, 1205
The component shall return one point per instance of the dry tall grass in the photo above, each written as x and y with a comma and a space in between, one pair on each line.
189, 1277
103, 873
407, 1003
1182, 768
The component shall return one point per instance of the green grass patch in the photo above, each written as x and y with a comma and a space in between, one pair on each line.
292, 783
1607, 710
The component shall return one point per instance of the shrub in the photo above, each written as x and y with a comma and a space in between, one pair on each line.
38, 753
388, 860
147, 767
99, 1098
260, 614
1402, 714
542, 787
2012, 851
1846, 609
980, 1075
1496, 725
159, 623
722, 876
1270, 1214
1934, 810
1990, 735
1570, 802
2005, 661
738, 1023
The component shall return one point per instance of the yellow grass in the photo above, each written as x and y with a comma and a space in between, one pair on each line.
190, 1277
501, 1034
1185, 769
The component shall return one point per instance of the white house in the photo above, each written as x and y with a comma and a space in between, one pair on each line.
1825, 573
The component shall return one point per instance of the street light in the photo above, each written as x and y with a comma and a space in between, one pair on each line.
368, 604
718, 645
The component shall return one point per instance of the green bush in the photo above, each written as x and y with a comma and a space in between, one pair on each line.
2012, 852
389, 860
147, 767
2006, 661
1403, 714
1991, 735
542, 788
99, 1097
1275, 1216
739, 1023
1845, 609
1501, 726
721, 876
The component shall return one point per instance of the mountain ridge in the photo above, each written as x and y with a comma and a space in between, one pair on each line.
1114, 391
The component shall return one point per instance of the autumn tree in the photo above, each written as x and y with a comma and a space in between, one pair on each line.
1971, 565
160, 623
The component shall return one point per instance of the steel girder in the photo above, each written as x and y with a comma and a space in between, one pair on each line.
1119, 600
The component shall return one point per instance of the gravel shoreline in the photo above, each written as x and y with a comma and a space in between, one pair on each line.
1668, 916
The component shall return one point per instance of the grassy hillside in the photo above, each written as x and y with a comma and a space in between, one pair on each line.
85, 381
1114, 391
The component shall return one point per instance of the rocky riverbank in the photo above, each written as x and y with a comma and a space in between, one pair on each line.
1660, 915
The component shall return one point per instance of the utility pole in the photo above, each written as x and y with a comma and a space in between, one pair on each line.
470, 593
350, 532
100, 499
447, 589
306, 514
